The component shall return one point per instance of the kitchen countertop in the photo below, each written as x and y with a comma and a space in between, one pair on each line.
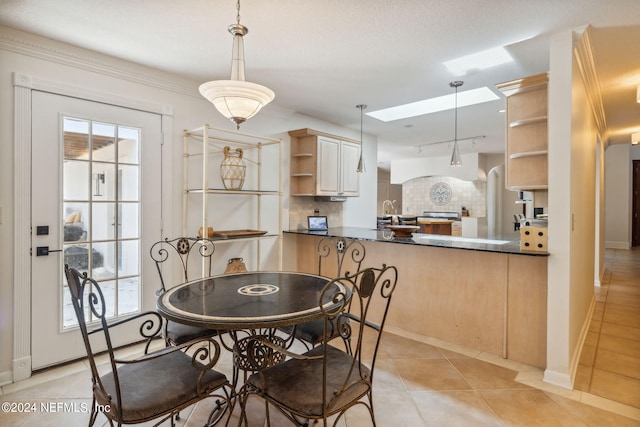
453, 242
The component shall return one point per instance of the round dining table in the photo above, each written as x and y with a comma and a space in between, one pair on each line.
249, 300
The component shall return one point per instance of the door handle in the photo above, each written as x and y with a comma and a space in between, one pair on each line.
45, 251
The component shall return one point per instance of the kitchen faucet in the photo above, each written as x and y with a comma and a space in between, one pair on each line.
388, 207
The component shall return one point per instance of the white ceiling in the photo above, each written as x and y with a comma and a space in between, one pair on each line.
323, 57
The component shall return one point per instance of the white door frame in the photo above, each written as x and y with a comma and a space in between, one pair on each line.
23, 85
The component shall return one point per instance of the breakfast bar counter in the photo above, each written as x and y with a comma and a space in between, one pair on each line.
483, 294
506, 245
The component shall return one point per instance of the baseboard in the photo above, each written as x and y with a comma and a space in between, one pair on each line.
6, 378
565, 380
558, 379
616, 245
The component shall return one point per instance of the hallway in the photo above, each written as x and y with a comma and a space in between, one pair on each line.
610, 361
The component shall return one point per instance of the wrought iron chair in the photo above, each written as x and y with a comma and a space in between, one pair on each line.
328, 380
336, 257
187, 250
155, 385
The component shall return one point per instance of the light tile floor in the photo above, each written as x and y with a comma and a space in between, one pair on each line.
422, 382
610, 361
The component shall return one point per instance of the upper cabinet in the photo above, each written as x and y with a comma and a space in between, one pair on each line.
527, 140
323, 164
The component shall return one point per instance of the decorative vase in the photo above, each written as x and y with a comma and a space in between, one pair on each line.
232, 169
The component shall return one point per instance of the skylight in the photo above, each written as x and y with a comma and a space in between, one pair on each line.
478, 61
433, 105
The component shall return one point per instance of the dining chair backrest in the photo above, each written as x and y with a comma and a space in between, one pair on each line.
371, 291
339, 255
89, 303
330, 378
158, 384
192, 254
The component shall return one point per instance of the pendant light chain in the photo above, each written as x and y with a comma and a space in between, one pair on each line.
361, 118
456, 85
455, 132
361, 168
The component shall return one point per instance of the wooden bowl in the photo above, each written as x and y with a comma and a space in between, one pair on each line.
403, 230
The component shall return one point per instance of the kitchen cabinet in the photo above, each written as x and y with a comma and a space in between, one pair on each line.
323, 164
246, 216
526, 150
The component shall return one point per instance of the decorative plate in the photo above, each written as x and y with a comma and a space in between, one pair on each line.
440, 193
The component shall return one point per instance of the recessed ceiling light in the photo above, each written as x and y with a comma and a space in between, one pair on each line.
478, 61
433, 105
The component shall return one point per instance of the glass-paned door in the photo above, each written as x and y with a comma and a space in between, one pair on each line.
101, 189
96, 174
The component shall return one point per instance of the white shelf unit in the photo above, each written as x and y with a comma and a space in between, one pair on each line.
203, 152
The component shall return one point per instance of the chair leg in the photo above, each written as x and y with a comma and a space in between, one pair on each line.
94, 413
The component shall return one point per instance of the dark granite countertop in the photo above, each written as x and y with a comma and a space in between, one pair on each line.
453, 242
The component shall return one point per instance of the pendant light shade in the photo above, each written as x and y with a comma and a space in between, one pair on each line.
361, 167
456, 159
237, 99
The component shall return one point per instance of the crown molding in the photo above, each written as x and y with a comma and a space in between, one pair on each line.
29, 44
583, 53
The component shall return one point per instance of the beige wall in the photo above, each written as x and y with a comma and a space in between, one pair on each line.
618, 197
573, 139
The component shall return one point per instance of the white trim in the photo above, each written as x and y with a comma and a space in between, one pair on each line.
566, 380
35, 83
558, 379
23, 86
61, 53
22, 229
608, 244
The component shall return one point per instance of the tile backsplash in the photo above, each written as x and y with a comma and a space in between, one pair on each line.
301, 207
416, 197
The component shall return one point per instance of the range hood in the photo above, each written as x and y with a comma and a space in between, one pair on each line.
330, 198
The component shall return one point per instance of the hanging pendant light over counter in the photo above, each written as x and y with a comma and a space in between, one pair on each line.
456, 159
237, 99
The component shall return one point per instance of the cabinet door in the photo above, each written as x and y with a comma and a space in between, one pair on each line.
328, 167
349, 178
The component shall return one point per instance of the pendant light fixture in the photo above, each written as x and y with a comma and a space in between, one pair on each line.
237, 99
456, 159
361, 167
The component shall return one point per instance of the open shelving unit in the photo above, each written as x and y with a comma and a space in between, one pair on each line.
527, 136
241, 213
323, 164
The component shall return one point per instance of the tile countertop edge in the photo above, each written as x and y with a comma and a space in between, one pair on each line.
385, 236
